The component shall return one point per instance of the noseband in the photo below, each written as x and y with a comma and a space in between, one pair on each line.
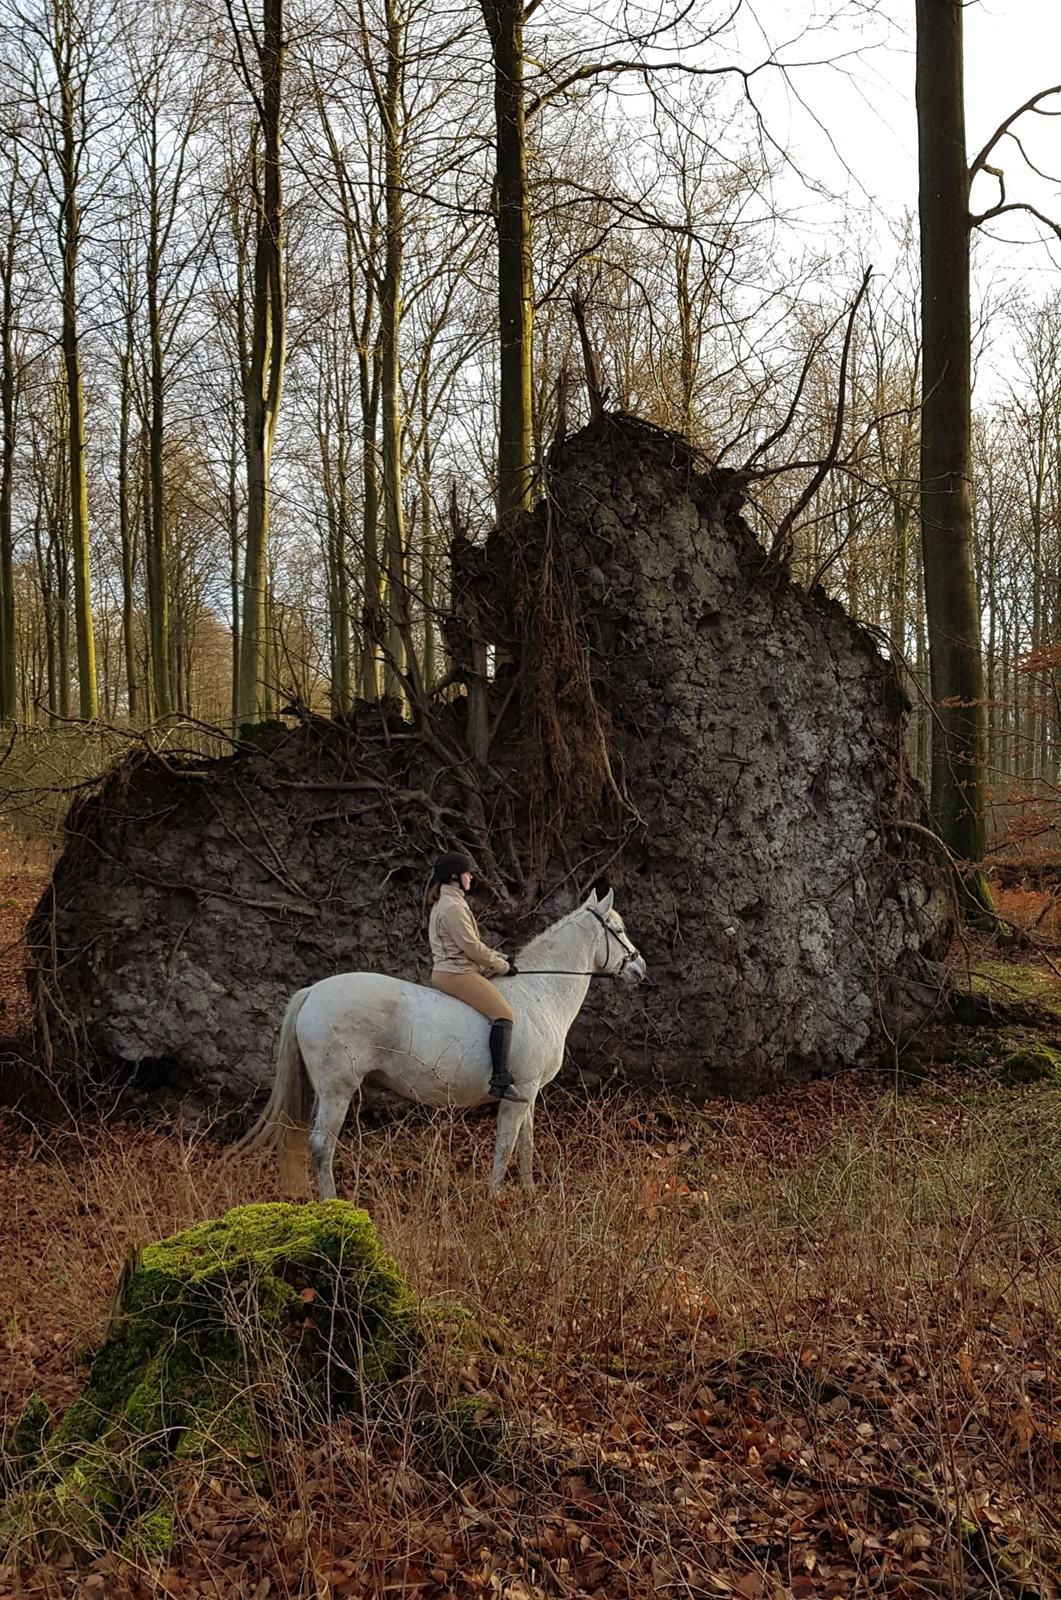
629, 953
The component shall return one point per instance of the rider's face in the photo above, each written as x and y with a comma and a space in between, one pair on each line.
466, 882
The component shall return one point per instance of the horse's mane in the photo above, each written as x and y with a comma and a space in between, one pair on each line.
544, 939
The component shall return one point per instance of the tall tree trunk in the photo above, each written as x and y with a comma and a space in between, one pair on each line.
898, 602
45, 580
360, 323
59, 516
924, 720
8, 672
331, 536
125, 529
272, 652
335, 697
234, 512
1037, 683
147, 513
265, 373
333, 418
515, 297
946, 445
992, 614
368, 367
69, 242
686, 354
390, 308
343, 655
1020, 690
1055, 673
156, 553
1005, 710
427, 546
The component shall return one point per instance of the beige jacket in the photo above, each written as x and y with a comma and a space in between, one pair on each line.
455, 942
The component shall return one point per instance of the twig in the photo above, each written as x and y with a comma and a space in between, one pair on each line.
781, 547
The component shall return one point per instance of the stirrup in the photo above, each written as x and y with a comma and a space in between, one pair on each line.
505, 1089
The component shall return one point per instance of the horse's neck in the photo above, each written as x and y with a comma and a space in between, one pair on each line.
567, 945
565, 951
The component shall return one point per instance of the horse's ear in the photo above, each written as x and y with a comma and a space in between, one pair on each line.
598, 892
604, 904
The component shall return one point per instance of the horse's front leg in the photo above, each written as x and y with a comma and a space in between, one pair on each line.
328, 1118
525, 1151
510, 1117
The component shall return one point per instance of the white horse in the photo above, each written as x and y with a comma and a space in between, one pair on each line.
431, 1048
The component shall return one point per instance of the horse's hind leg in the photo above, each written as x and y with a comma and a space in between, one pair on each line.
328, 1118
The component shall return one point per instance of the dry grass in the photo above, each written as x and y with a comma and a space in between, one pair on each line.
23, 875
1032, 910
802, 1349
796, 1349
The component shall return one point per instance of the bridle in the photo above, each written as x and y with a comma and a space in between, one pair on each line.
629, 954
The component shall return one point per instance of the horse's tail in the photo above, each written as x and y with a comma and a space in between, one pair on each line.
282, 1125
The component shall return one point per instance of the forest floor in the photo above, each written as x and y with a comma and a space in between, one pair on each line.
799, 1349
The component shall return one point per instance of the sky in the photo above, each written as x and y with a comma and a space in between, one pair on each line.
857, 127
845, 114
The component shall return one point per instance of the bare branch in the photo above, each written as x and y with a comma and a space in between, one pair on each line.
600, 69
782, 540
980, 161
593, 388
1016, 205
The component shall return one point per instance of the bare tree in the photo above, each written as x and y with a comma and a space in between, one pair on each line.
165, 101
62, 42
15, 201
264, 376
951, 602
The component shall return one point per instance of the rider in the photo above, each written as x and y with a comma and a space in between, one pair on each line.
463, 964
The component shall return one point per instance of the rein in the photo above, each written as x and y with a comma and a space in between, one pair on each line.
550, 972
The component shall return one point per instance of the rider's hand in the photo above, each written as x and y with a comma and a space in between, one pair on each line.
512, 970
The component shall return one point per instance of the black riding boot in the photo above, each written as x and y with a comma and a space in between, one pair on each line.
500, 1044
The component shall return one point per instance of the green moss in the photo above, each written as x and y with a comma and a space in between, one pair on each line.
468, 1438
30, 1430
1016, 980
1035, 1063
22, 1442
151, 1535
217, 1331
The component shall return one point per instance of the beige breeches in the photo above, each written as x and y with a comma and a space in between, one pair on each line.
476, 991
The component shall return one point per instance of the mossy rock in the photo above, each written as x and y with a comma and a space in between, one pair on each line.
468, 1437
1035, 1063
273, 1311
22, 1442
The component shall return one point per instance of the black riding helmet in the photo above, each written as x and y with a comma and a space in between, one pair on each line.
448, 867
